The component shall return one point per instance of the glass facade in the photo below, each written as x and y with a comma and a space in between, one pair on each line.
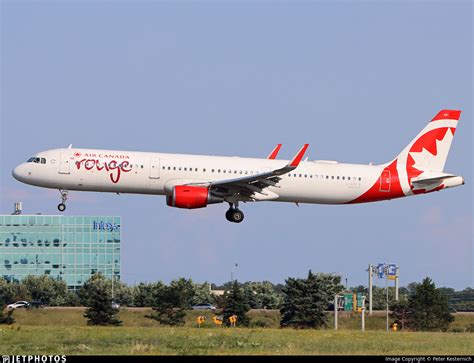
69, 248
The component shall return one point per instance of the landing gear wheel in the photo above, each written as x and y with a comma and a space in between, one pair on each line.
234, 215
62, 205
237, 216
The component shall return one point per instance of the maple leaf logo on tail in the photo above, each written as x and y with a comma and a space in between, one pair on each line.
419, 167
427, 153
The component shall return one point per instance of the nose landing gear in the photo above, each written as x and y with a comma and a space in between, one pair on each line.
234, 214
62, 205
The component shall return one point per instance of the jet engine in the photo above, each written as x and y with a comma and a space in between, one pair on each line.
190, 197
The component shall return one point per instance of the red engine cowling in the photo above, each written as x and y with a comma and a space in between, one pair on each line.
191, 197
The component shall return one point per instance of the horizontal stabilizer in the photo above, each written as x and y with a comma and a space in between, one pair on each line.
433, 179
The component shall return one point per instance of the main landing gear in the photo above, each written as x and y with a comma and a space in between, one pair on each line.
234, 214
62, 205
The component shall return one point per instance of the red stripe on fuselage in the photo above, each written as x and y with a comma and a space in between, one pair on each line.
375, 193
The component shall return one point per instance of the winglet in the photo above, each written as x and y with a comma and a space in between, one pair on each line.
274, 153
296, 160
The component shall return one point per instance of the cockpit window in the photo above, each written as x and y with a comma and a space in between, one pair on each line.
37, 160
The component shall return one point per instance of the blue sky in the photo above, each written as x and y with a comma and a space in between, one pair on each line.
357, 80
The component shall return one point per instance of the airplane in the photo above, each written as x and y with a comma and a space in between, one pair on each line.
195, 181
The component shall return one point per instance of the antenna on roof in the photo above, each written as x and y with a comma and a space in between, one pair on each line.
70, 146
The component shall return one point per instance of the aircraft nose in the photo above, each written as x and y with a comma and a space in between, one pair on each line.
20, 173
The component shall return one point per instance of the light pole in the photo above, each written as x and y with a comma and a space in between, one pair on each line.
371, 281
232, 271
363, 313
386, 297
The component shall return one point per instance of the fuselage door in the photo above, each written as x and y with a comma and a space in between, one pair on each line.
154, 168
65, 163
385, 181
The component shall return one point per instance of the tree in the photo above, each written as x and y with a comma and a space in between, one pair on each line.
185, 287
305, 300
144, 293
6, 318
401, 313
122, 293
236, 303
262, 295
250, 296
97, 295
7, 292
46, 289
169, 305
202, 294
429, 308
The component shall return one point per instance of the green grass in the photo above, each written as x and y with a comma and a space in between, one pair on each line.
136, 317
64, 331
185, 340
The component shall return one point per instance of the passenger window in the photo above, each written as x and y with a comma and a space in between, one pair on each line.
195, 169
343, 178
348, 178
332, 177
204, 170
306, 175
338, 178
169, 167
43, 161
218, 170
360, 179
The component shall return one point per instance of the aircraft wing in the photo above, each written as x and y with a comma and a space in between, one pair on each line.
251, 187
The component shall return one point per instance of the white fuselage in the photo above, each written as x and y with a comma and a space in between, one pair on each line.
194, 181
323, 182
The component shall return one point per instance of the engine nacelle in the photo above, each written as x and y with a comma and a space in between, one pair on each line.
190, 197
